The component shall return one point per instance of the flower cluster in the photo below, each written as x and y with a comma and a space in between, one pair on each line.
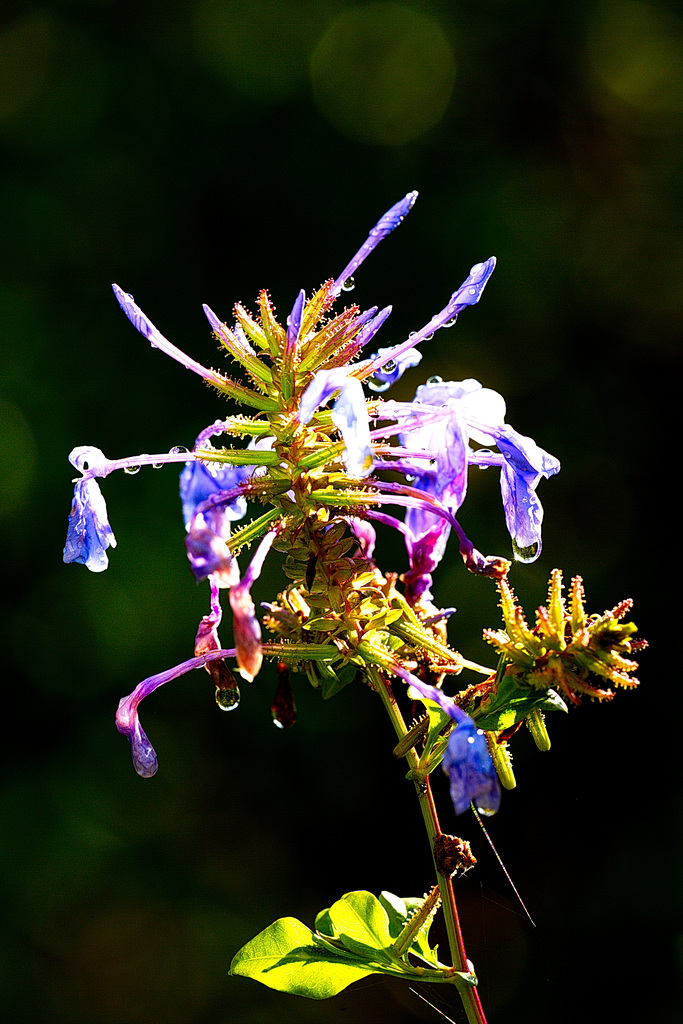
316, 452
567, 650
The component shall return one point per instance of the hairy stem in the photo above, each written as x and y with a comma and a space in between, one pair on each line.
468, 993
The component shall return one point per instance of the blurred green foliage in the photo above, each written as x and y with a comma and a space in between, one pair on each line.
199, 151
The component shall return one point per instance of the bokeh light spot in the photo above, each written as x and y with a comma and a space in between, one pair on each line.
383, 73
635, 52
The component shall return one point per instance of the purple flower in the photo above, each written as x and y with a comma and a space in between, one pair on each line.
145, 326
469, 767
127, 719
384, 226
436, 431
467, 294
294, 322
467, 760
207, 525
89, 533
349, 415
200, 481
525, 464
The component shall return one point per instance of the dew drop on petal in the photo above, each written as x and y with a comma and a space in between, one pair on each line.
157, 465
526, 554
179, 449
349, 285
435, 380
450, 323
131, 470
228, 699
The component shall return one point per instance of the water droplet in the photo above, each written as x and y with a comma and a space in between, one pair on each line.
428, 337
435, 380
179, 449
228, 699
483, 453
527, 554
389, 366
450, 323
157, 465
131, 470
486, 812
349, 285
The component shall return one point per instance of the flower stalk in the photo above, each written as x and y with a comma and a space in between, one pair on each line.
308, 460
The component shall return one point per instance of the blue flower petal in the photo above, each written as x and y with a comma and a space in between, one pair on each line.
89, 533
467, 760
199, 481
469, 767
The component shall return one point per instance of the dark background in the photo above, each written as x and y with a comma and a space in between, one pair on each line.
196, 152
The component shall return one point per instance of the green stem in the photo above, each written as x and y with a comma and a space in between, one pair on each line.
468, 993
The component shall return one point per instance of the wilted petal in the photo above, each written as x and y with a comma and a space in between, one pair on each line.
246, 627
364, 533
247, 632
144, 756
89, 533
127, 720
209, 555
207, 633
87, 458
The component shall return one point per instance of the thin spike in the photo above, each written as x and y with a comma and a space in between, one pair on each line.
499, 859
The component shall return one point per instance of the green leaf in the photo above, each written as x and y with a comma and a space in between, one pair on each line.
353, 938
361, 922
512, 702
287, 957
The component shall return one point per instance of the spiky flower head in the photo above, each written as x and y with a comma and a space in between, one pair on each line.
567, 650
